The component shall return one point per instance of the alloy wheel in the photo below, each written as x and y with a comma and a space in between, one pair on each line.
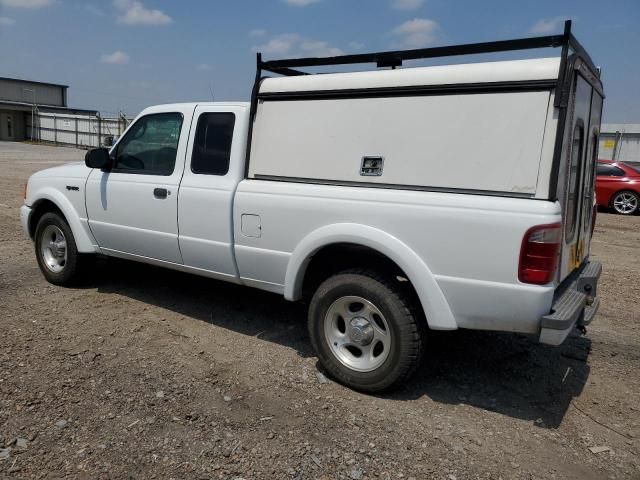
625, 203
53, 248
357, 333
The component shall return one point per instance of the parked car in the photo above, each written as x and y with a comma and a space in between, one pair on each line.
618, 186
396, 201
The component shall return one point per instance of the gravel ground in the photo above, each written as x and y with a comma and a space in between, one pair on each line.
147, 373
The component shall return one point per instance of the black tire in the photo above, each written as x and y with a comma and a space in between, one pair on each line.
406, 326
70, 272
629, 198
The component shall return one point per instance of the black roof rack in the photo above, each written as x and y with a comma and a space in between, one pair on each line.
395, 59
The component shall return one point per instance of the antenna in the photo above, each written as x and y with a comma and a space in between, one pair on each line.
213, 98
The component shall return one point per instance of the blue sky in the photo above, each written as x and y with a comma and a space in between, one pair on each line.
128, 54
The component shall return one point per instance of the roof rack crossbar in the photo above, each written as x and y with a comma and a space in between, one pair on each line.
396, 58
391, 58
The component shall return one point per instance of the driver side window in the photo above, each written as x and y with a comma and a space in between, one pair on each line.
150, 146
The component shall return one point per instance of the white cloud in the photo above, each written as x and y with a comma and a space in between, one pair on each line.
356, 45
547, 25
204, 67
295, 45
133, 12
417, 33
116, 58
7, 22
300, 3
407, 4
26, 3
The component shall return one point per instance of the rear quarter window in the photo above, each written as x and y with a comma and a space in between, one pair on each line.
609, 171
212, 145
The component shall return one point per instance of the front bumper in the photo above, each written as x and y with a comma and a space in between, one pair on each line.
575, 304
25, 213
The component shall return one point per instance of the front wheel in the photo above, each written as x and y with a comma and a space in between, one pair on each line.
626, 203
365, 330
56, 250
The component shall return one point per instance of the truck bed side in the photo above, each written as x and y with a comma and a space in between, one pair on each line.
467, 245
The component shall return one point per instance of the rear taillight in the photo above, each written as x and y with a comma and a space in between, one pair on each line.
539, 254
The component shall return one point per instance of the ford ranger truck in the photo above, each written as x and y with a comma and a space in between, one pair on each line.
396, 201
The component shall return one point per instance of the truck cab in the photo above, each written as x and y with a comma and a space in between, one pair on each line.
176, 169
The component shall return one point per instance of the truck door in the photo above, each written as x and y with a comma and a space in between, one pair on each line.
584, 127
214, 167
133, 209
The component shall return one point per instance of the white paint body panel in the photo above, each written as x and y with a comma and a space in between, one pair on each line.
125, 216
205, 203
51, 185
486, 141
461, 252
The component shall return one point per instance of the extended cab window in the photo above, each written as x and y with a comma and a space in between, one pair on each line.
609, 171
212, 145
150, 146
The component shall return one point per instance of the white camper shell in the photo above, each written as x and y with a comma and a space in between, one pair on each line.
421, 137
517, 129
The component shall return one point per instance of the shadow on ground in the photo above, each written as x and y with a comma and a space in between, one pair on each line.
510, 374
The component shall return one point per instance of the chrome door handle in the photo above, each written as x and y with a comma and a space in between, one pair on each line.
160, 192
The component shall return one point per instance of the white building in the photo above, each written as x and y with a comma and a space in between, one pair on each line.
620, 141
38, 111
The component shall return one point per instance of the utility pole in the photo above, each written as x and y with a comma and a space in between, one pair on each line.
33, 107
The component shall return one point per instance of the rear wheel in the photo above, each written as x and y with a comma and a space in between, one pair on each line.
56, 250
625, 203
365, 330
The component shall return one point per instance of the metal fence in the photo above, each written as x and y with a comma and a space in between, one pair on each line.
620, 142
79, 130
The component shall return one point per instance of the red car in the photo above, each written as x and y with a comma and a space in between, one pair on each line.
618, 186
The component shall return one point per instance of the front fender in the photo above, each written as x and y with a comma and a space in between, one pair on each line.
79, 226
433, 301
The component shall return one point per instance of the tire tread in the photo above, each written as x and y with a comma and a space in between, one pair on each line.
412, 328
75, 268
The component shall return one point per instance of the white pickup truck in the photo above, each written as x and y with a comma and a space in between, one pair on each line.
395, 200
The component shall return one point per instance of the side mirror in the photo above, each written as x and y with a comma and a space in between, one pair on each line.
98, 158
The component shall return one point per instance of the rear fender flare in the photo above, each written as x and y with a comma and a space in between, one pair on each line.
434, 303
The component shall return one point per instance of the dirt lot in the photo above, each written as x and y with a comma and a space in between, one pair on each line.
147, 373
